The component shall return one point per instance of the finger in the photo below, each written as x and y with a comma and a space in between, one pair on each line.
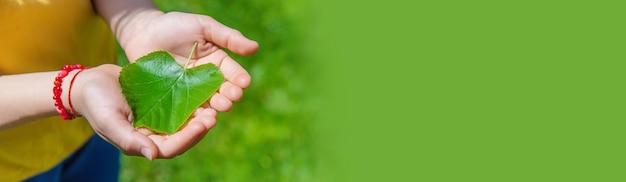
220, 103
227, 37
145, 131
231, 70
172, 145
205, 110
230, 91
208, 118
123, 135
234, 73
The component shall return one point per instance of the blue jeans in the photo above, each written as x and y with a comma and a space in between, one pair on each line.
97, 160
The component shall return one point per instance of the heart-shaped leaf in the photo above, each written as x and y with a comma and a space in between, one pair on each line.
162, 94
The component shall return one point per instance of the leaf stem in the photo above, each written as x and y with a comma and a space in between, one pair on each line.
193, 50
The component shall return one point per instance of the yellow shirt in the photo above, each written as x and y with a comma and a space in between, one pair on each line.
44, 35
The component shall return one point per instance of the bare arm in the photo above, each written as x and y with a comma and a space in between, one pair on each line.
96, 95
27, 97
120, 14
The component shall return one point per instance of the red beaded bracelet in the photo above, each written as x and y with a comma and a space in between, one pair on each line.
69, 93
57, 90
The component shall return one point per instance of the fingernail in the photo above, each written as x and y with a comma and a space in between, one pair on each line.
146, 153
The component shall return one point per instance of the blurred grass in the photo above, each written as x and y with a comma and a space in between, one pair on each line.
266, 137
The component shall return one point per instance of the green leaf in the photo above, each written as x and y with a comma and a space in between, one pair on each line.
162, 94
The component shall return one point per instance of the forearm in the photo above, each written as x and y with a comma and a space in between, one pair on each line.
27, 97
121, 16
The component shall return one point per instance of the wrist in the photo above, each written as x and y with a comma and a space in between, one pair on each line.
62, 90
91, 82
118, 14
131, 24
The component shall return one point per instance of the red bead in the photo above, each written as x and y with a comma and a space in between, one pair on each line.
62, 73
56, 90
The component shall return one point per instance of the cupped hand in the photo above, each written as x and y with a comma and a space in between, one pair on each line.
99, 99
177, 32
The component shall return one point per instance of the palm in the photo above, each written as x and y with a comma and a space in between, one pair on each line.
172, 145
176, 33
109, 115
113, 123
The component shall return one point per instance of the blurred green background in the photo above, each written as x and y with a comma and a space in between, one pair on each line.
267, 135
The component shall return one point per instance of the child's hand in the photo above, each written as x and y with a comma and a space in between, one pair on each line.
99, 99
141, 28
176, 33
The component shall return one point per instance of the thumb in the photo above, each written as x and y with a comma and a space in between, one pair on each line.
139, 144
227, 37
127, 139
